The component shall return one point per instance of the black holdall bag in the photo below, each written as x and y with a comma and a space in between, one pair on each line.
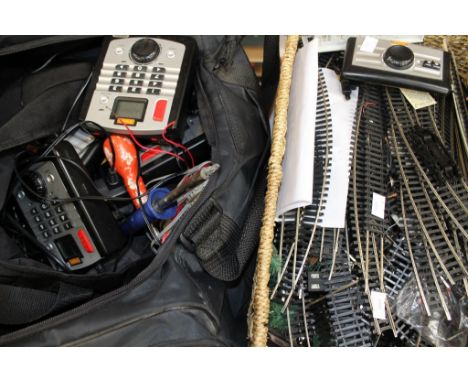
195, 291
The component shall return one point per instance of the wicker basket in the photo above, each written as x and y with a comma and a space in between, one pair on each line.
458, 45
260, 305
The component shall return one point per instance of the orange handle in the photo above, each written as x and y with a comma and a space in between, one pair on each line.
126, 165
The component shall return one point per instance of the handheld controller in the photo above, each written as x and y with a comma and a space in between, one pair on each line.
77, 234
395, 63
142, 83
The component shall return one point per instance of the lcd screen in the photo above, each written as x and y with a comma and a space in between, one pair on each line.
130, 108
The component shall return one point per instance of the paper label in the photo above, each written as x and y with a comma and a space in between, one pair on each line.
80, 140
369, 44
378, 305
418, 99
378, 205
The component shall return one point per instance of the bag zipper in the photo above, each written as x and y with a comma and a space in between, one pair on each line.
154, 313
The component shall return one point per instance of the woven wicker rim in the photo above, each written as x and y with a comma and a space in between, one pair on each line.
260, 305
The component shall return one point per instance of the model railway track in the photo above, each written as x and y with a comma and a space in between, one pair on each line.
296, 235
460, 136
417, 250
368, 177
434, 213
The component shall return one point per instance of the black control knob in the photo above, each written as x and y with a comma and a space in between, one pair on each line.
35, 183
399, 57
145, 50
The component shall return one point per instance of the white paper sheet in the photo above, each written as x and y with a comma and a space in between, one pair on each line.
378, 305
378, 205
342, 116
298, 163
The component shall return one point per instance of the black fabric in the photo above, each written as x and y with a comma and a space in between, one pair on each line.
36, 106
6, 170
230, 111
26, 305
23, 280
188, 294
178, 305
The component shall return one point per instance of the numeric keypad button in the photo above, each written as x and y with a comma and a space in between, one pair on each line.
136, 82
138, 75
140, 68
153, 91
117, 81
119, 74
158, 77
114, 88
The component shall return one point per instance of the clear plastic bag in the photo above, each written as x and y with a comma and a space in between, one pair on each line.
441, 328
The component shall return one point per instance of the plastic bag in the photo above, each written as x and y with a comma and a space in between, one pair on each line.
440, 328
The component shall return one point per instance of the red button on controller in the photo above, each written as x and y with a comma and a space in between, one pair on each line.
160, 110
85, 241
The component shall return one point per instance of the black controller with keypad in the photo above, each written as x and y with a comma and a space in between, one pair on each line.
77, 233
142, 84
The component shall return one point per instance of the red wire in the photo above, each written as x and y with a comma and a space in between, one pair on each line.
155, 150
177, 144
366, 105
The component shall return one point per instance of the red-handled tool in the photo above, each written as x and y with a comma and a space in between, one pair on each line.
126, 165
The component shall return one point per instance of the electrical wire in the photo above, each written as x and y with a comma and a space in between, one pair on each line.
73, 199
152, 149
59, 139
164, 178
46, 156
83, 125
177, 144
77, 98
155, 238
49, 60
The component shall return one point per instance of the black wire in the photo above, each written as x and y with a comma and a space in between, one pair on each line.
64, 134
107, 135
77, 98
73, 199
59, 139
77, 165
